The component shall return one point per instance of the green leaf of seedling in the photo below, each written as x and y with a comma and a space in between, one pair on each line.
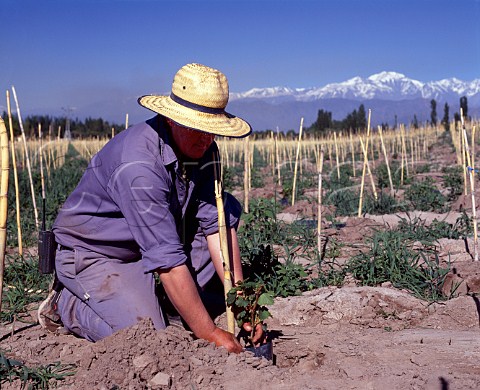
231, 296
241, 314
241, 303
266, 299
269, 213
263, 314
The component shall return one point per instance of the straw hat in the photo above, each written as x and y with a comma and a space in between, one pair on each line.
198, 100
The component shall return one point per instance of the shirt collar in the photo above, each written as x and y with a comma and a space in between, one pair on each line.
159, 124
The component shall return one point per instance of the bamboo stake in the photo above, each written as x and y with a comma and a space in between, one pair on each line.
279, 177
330, 159
336, 154
32, 190
474, 208
463, 151
126, 121
224, 254
42, 179
372, 181
3, 201
319, 202
412, 154
402, 136
353, 154
365, 163
296, 161
15, 177
246, 172
386, 160
471, 171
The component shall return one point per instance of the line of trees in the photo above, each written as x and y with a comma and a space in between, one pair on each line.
354, 121
90, 127
446, 113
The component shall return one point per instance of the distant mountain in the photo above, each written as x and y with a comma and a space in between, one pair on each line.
384, 85
388, 94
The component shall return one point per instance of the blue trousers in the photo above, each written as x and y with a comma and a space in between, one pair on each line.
111, 294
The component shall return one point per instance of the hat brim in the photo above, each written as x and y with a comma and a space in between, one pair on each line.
223, 124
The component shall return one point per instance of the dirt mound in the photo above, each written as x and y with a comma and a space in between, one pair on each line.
349, 337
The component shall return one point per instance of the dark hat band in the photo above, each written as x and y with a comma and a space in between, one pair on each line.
196, 107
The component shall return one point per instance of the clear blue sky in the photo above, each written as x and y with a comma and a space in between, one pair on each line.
68, 52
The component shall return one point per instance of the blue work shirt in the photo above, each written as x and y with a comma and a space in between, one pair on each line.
134, 201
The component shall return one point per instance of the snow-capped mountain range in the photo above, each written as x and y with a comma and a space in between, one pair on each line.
384, 85
392, 97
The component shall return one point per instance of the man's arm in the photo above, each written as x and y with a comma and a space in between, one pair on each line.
183, 294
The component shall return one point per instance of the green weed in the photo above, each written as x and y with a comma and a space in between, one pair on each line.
385, 204
391, 257
453, 180
42, 377
381, 173
23, 286
424, 196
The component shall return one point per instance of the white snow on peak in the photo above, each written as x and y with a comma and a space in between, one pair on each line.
386, 77
384, 85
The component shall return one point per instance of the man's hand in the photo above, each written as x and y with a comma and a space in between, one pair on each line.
259, 335
222, 338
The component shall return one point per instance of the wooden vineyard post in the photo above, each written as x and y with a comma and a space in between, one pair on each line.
365, 163
15, 176
27, 158
3, 201
224, 254
296, 161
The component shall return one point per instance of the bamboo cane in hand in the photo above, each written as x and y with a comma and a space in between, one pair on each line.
224, 254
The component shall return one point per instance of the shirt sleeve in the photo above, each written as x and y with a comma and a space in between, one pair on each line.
145, 195
207, 214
